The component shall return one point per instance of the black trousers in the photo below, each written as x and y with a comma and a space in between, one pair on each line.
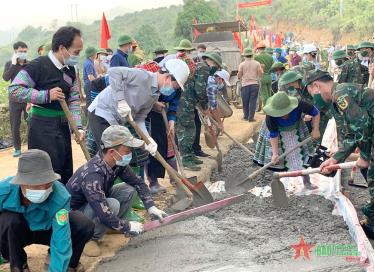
15, 235
198, 125
52, 135
15, 115
249, 95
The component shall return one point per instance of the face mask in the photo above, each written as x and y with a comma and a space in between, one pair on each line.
130, 50
221, 85
364, 53
339, 62
319, 102
166, 90
102, 57
109, 57
200, 54
72, 60
291, 52
213, 70
125, 159
22, 55
38, 196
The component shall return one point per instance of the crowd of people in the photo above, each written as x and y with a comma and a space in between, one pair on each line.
48, 203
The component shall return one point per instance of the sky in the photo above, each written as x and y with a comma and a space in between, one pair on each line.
21, 13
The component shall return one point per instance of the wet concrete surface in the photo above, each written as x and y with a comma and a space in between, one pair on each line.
250, 236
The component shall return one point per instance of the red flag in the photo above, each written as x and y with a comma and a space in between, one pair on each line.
195, 31
278, 41
237, 37
106, 34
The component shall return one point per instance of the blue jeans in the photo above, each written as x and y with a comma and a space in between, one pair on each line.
249, 95
119, 201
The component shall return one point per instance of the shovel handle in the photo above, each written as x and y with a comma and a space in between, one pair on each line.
175, 148
232, 139
74, 127
160, 158
261, 170
306, 172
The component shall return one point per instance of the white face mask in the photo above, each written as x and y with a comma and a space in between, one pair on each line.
109, 57
38, 196
102, 57
22, 55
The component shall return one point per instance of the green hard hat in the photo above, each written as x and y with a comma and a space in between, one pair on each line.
351, 47
248, 52
90, 51
215, 57
315, 75
365, 45
339, 54
185, 45
277, 65
160, 49
124, 39
269, 50
280, 104
289, 77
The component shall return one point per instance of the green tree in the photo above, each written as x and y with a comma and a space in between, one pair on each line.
148, 38
202, 11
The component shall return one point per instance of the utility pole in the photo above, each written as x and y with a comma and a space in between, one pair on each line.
341, 7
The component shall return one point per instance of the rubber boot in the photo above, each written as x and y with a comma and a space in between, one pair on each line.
133, 216
189, 164
137, 203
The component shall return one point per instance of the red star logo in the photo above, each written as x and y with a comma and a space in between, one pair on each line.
302, 246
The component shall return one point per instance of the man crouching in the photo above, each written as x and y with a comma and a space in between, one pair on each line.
95, 194
34, 209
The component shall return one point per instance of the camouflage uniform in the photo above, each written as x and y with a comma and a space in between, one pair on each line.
353, 109
266, 80
352, 71
325, 115
195, 92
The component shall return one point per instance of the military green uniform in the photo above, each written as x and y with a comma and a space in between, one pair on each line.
353, 109
266, 80
325, 115
352, 71
195, 93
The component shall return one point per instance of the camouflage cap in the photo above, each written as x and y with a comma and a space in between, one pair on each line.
119, 135
315, 75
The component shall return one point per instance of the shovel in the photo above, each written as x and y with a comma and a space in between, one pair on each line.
219, 156
183, 184
201, 195
244, 148
74, 127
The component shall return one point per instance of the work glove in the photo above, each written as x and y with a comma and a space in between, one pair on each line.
155, 212
123, 109
152, 147
14, 59
136, 228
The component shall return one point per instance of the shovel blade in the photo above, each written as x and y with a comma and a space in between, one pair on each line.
182, 204
278, 193
210, 140
201, 195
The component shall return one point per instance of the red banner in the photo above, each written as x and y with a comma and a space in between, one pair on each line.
254, 4
106, 34
195, 31
237, 37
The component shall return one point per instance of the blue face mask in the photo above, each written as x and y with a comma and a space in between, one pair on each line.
167, 90
130, 50
125, 159
38, 196
72, 60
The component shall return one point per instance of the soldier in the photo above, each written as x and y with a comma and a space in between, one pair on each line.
366, 53
353, 108
266, 62
195, 94
350, 51
352, 71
